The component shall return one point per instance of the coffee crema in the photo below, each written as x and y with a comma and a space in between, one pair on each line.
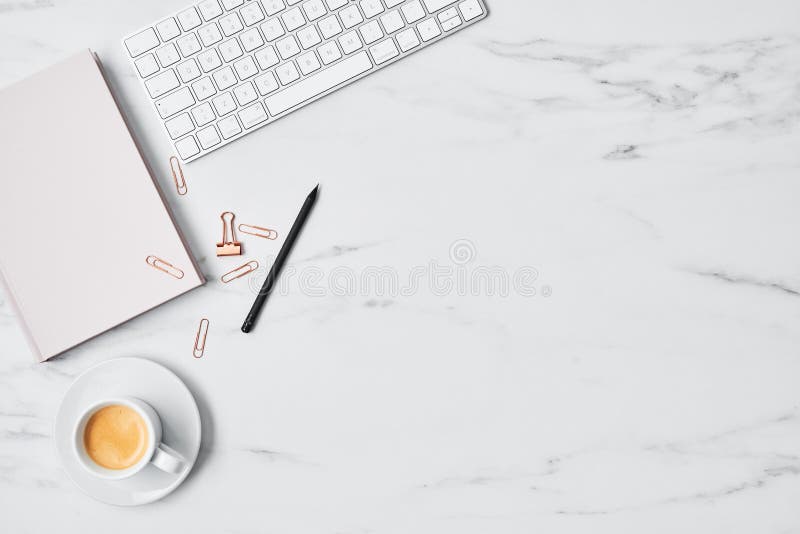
115, 437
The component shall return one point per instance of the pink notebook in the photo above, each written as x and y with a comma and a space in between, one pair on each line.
80, 211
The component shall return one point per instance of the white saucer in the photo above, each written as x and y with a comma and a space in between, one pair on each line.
157, 386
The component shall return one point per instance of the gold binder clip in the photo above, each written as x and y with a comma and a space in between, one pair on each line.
232, 247
200, 338
177, 175
258, 231
164, 266
240, 271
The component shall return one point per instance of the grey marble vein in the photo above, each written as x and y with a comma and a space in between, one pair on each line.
7, 6
748, 281
338, 250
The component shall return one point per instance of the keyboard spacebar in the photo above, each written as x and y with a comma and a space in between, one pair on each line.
319, 83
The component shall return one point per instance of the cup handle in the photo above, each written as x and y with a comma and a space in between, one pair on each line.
168, 459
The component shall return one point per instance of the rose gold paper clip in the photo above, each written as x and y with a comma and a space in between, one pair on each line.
232, 247
177, 175
258, 231
164, 266
200, 338
240, 271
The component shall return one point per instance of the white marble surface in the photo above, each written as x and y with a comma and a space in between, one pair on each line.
642, 156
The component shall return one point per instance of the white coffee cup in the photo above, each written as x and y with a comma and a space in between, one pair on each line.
157, 453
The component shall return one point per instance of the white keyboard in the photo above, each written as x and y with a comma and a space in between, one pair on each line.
220, 69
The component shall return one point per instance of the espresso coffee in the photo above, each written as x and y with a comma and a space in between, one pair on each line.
115, 437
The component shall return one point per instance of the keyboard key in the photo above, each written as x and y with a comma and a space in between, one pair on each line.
204, 88
447, 14
267, 57
253, 115
384, 51
168, 55
174, 102
208, 137
209, 9
371, 8
245, 93
371, 32
209, 60
252, 14
428, 29
224, 104
287, 73
451, 23
288, 47
146, 65
317, 84
189, 19
309, 37
350, 42
293, 19
329, 52
407, 39
187, 147
188, 70
314, 9
351, 17
230, 24
189, 44
251, 39
392, 21
246, 68
230, 50
162, 83
231, 4
266, 83
391, 3
272, 29
225, 78
203, 114
179, 126
470, 9
436, 5
335, 4
168, 29
210, 34
142, 42
413, 11
308, 63
329, 26
273, 6
229, 127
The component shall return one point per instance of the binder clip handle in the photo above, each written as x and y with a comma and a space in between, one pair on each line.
228, 247
227, 224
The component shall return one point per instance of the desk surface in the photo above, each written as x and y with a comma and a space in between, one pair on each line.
635, 165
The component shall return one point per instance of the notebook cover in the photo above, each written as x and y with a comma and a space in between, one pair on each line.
80, 211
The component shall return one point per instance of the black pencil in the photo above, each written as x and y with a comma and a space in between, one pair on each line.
269, 283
